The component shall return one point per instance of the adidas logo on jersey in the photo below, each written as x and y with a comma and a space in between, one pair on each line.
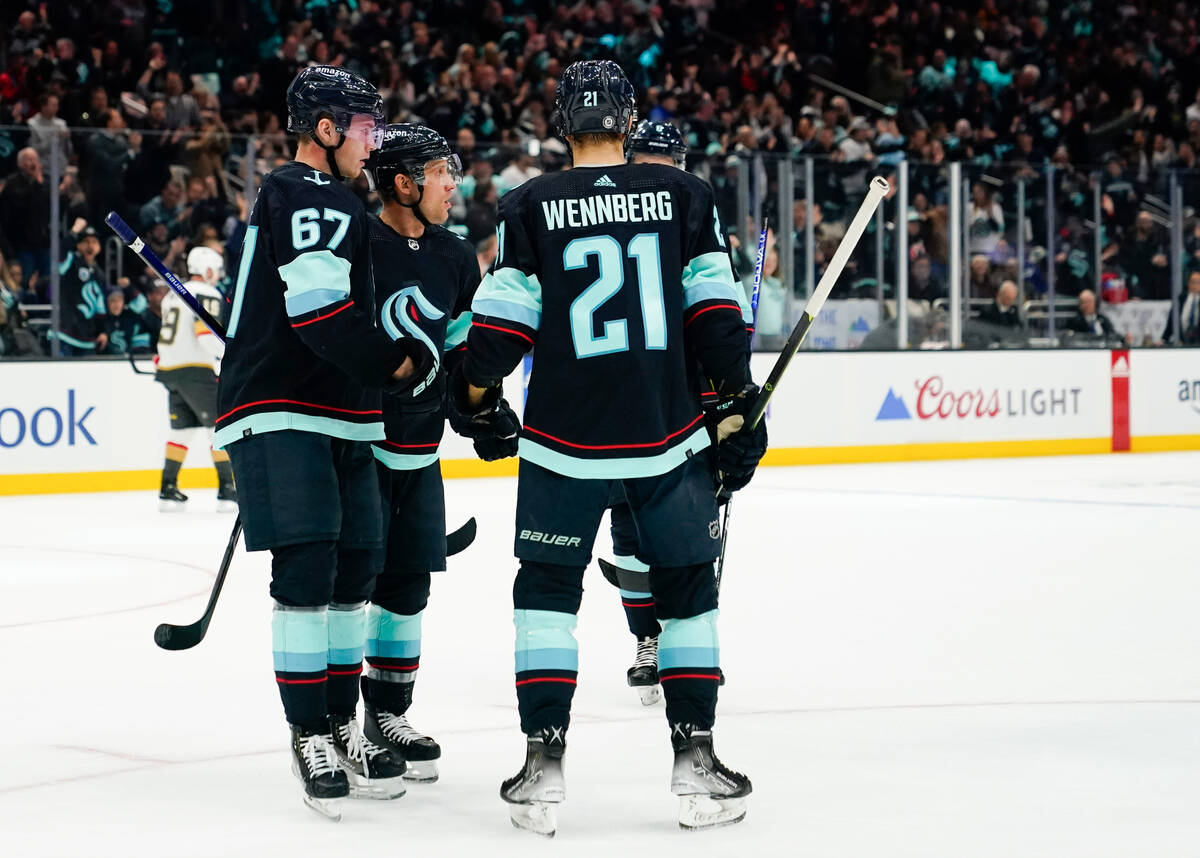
605, 182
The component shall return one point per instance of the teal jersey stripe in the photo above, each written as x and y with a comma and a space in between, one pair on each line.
314, 280
65, 265
630, 563
510, 310
708, 277
744, 302
301, 662
67, 338
393, 649
688, 656
347, 629
547, 659
699, 631
613, 469
510, 286
249, 245
383, 625
277, 421
404, 461
457, 330
633, 594
348, 655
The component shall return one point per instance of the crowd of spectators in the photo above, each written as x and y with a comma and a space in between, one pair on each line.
151, 108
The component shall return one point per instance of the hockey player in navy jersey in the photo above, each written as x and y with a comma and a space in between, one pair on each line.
617, 276
298, 405
425, 278
650, 143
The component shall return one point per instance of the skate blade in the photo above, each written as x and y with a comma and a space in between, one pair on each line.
375, 789
537, 817
330, 808
701, 812
421, 771
172, 506
649, 694
227, 506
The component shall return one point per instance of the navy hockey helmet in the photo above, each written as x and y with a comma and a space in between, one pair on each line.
593, 96
327, 91
406, 149
658, 138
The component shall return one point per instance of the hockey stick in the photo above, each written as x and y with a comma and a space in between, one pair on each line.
458, 540
754, 293
174, 637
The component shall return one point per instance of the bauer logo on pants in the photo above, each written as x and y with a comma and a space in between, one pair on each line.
549, 538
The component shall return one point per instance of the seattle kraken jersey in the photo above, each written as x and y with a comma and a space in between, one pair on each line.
423, 287
618, 277
302, 349
83, 307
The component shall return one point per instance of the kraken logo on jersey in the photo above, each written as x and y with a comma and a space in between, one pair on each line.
398, 319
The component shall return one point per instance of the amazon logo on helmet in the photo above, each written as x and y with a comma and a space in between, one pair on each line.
328, 91
593, 97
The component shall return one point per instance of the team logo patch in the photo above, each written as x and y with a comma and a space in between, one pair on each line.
714, 529
413, 243
609, 122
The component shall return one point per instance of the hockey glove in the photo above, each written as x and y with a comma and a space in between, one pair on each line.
492, 426
424, 371
738, 448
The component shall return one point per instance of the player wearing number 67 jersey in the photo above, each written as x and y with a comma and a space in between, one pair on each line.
187, 364
617, 277
299, 403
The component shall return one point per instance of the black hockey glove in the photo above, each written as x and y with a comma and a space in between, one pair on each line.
738, 448
493, 425
424, 369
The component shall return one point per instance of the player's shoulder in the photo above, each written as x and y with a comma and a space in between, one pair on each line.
449, 243
378, 230
299, 185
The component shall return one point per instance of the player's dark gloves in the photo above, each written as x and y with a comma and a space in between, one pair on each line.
424, 369
492, 425
738, 448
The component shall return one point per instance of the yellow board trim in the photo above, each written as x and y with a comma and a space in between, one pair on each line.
206, 478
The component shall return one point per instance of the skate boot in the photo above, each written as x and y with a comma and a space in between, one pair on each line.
227, 498
532, 792
315, 762
419, 752
643, 676
710, 795
372, 771
170, 498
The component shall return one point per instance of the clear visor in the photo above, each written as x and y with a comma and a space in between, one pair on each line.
367, 129
441, 169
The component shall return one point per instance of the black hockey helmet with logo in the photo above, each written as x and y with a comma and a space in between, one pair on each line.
593, 96
327, 91
658, 138
406, 149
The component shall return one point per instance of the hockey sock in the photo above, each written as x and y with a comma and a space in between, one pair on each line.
393, 656
547, 664
224, 468
347, 632
635, 597
172, 462
688, 660
300, 640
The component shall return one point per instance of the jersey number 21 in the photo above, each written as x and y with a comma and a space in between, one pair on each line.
610, 256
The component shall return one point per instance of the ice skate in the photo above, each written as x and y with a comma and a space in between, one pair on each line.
710, 794
227, 499
171, 499
419, 752
371, 771
315, 762
643, 676
533, 792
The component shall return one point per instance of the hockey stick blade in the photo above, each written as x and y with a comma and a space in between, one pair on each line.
609, 571
172, 637
459, 540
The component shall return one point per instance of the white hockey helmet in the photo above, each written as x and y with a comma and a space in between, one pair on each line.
201, 259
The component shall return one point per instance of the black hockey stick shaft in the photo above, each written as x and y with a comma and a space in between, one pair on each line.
135, 243
173, 637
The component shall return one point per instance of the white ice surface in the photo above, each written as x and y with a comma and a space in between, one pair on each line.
996, 658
